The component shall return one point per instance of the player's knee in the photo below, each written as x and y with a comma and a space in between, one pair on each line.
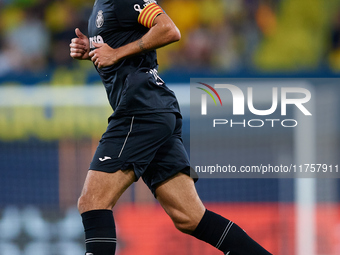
183, 222
85, 204
82, 204
186, 227
88, 202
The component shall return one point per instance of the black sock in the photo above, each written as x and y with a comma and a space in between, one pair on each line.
226, 236
100, 232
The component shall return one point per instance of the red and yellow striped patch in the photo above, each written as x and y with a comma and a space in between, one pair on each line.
148, 14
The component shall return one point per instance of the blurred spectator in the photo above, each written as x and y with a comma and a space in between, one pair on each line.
31, 39
26, 41
266, 17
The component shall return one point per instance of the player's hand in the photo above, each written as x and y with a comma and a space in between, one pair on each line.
80, 46
103, 55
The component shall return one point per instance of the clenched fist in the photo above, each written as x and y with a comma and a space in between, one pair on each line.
80, 46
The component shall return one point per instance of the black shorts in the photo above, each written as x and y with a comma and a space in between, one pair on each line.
150, 144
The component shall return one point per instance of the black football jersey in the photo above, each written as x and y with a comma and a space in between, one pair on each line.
132, 85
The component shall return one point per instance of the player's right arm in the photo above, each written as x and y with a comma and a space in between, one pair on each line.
80, 46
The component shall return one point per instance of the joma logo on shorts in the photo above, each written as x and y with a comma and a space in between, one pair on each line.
105, 158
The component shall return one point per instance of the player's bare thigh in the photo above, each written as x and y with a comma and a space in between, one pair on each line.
102, 190
181, 202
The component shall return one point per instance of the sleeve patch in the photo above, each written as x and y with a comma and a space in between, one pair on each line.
148, 14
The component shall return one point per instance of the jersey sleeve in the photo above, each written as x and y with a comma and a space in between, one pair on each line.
133, 12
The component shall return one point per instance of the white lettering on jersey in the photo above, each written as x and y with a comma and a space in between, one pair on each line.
96, 39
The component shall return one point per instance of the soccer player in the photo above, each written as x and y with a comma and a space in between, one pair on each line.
143, 137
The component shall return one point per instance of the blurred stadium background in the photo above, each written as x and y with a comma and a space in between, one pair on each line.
53, 111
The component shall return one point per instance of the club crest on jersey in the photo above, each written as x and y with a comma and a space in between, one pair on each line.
100, 19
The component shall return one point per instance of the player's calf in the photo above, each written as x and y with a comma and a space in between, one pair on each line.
100, 193
226, 236
100, 232
179, 199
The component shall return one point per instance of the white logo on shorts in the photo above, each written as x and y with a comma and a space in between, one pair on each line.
103, 159
88, 253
